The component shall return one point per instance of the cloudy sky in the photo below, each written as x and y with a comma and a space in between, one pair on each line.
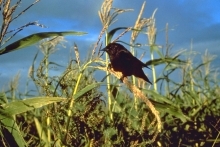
197, 21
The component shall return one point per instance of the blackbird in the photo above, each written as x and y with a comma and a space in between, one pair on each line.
122, 60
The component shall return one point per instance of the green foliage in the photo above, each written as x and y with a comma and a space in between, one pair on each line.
20, 106
70, 109
10, 132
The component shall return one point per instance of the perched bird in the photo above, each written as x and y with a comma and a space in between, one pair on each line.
122, 60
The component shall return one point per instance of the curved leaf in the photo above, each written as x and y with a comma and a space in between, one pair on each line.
14, 138
112, 32
165, 105
34, 38
21, 106
165, 60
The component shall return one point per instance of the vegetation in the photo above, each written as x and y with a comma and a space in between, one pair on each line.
71, 110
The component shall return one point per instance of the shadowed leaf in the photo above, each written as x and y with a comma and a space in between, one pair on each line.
14, 136
112, 32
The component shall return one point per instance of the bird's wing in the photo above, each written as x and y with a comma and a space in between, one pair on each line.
123, 62
128, 57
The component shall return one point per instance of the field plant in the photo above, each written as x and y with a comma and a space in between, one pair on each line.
72, 109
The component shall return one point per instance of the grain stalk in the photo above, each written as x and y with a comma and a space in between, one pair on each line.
47, 48
107, 18
7, 19
75, 89
151, 32
139, 25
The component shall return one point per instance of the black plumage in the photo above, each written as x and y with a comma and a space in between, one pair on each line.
122, 60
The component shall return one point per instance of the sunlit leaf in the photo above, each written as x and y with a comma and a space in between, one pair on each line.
21, 106
41, 131
156, 48
34, 38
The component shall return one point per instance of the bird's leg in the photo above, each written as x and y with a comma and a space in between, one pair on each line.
109, 66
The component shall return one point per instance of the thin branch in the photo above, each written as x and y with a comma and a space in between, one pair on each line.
25, 10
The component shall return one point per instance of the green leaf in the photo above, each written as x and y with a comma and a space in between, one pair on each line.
156, 48
34, 38
41, 132
165, 60
9, 109
12, 127
165, 105
21, 106
112, 32
3, 98
86, 89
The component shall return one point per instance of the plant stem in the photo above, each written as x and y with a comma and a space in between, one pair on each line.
133, 79
108, 82
46, 75
69, 114
153, 69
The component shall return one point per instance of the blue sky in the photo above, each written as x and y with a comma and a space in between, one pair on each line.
188, 20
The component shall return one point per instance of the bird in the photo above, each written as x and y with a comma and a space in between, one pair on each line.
123, 61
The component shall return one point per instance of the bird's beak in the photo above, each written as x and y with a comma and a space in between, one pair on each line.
104, 49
